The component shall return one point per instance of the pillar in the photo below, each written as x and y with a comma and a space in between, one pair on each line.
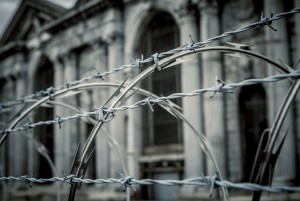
58, 133
117, 126
18, 140
134, 120
190, 80
134, 138
213, 107
70, 129
277, 48
100, 96
13, 140
33, 62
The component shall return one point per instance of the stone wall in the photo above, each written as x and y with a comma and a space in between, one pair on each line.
110, 38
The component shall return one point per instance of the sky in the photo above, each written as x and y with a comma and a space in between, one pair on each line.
8, 7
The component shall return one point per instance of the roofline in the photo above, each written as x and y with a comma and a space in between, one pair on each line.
93, 4
55, 9
12, 22
58, 10
74, 12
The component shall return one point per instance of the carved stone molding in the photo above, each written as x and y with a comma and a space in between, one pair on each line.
188, 8
63, 57
114, 37
208, 6
97, 43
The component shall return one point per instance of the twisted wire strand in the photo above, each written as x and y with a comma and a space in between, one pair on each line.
150, 101
208, 181
52, 90
264, 21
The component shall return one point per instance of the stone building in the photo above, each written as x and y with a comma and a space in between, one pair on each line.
46, 45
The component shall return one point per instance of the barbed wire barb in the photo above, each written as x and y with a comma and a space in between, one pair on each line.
222, 87
106, 114
265, 21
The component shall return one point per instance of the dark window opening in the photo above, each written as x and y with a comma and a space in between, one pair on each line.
162, 133
92, 164
2, 91
44, 79
253, 122
159, 127
4, 154
89, 128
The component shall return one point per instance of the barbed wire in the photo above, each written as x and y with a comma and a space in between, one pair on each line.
212, 182
51, 90
100, 112
138, 63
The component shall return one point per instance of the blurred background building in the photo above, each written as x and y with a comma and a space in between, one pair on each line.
47, 45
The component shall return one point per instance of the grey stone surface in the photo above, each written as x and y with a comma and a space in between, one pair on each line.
109, 37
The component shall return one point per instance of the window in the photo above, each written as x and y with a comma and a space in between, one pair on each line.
2, 87
44, 79
160, 129
253, 122
4, 154
162, 133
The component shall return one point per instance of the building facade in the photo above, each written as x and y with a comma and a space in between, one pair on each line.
46, 45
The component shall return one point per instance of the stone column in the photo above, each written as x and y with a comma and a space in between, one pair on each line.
70, 129
100, 96
34, 58
277, 48
14, 140
65, 140
117, 126
191, 80
58, 133
213, 107
134, 122
134, 135
19, 141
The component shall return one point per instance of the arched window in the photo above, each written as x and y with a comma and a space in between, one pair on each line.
162, 133
253, 121
160, 129
44, 79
